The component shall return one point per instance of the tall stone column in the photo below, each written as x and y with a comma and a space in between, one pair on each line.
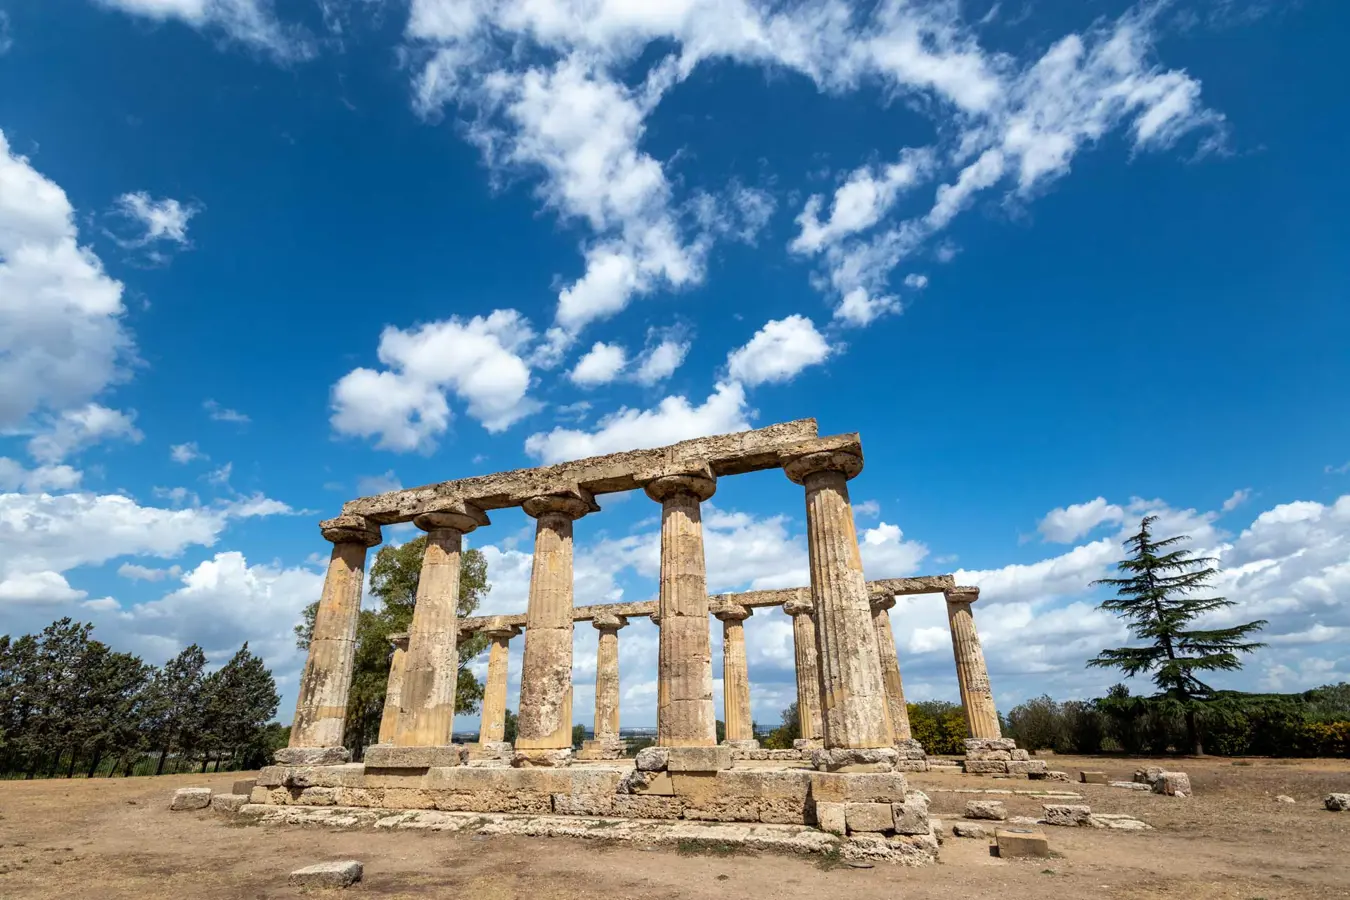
426, 715
321, 709
977, 698
685, 716
890, 667
736, 678
544, 721
808, 672
853, 696
492, 728
605, 742
394, 687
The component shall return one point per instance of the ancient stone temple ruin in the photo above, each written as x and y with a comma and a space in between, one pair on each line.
846, 775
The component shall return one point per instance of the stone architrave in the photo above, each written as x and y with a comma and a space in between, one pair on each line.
854, 709
977, 698
808, 672
493, 727
544, 721
684, 716
321, 709
890, 667
394, 687
426, 716
735, 675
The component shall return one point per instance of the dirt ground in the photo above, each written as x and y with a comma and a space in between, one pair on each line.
115, 838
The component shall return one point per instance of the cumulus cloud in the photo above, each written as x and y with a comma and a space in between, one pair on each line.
778, 351
1069, 523
15, 477
249, 22
661, 361
185, 453
153, 223
219, 413
405, 406
602, 364
76, 429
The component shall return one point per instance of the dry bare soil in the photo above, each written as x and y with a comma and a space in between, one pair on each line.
116, 838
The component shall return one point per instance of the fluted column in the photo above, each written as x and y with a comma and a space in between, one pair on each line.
853, 695
321, 709
977, 697
735, 675
685, 716
394, 687
607, 676
426, 716
890, 667
544, 721
808, 672
492, 729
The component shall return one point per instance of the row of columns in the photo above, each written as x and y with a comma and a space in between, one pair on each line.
850, 694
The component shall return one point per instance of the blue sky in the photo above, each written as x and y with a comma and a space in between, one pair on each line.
1060, 264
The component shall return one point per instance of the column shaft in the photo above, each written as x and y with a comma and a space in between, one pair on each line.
493, 727
808, 672
977, 697
736, 681
890, 669
321, 708
607, 686
394, 687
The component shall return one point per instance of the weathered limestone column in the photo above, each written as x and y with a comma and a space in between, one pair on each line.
853, 696
492, 728
321, 709
977, 698
397, 663
544, 723
890, 667
685, 716
426, 715
736, 678
605, 742
808, 673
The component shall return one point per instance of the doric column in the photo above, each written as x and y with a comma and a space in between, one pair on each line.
853, 695
976, 695
685, 716
544, 721
808, 672
426, 715
736, 676
890, 667
321, 709
397, 663
605, 742
492, 730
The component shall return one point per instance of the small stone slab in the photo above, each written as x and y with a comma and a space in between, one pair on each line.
869, 817
970, 830
340, 874
841, 759
191, 798
1173, 784
1067, 814
1017, 843
228, 803
698, 759
1093, 778
387, 756
830, 818
312, 756
244, 787
1337, 802
986, 809
1053, 775
1130, 786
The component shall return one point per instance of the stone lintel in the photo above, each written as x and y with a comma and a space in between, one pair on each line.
726, 454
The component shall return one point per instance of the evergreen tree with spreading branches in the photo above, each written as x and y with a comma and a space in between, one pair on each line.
1159, 597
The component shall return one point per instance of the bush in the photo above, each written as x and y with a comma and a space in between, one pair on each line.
939, 726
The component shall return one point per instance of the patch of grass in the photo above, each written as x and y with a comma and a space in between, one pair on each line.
830, 859
705, 847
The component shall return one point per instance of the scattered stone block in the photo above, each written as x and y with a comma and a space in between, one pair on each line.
1058, 776
228, 803
698, 759
1093, 778
970, 830
1027, 767
244, 787
1118, 822
986, 809
1067, 814
1022, 822
191, 798
1131, 786
652, 759
1173, 784
839, 759
911, 817
1337, 802
1148, 775
1284, 798
312, 756
869, 817
986, 766
1015, 843
830, 818
341, 874
1019, 755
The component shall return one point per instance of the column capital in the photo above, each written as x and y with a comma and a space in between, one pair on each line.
697, 484
962, 595
498, 628
882, 603
732, 612
399, 640
798, 468
573, 504
461, 517
799, 606
609, 622
351, 530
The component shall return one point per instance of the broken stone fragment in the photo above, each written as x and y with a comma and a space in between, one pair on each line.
970, 830
340, 874
191, 798
1173, 784
1069, 815
228, 803
653, 759
986, 809
1337, 802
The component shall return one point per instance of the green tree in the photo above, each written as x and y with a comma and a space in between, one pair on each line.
240, 699
578, 734
781, 738
509, 727
175, 712
1157, 596
394, 577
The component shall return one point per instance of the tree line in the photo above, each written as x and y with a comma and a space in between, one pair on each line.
70, 704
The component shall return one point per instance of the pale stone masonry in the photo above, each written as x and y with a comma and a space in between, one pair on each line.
977, 697
890, 667
605, 742
394, 687
736, 677
492, 730
808, 672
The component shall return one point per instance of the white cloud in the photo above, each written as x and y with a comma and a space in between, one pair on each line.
886, 553
220, 477
1337, 470
1239, 497
76, 429
370, 485
674, 419
860, 202
867, 509
916, 281
250, 22
778, 351
219, 413
61, 337
13, 476
186, 453
1067, 524
37, 587
661, 361
156, 220
133, 572
405, 406
602, 364
6, 38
